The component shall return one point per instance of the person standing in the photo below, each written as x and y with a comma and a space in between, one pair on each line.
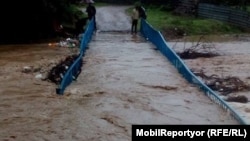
91, 10
142, 12
135, 18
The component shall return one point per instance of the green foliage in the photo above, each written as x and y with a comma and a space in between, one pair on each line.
248, 8
162, 20
72, 13
33, 19
137, 3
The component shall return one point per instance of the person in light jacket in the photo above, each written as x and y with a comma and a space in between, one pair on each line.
134, 17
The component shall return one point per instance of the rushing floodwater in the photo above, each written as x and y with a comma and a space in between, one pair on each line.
124, 81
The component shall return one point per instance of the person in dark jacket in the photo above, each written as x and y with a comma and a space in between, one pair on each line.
91, 10
142, 12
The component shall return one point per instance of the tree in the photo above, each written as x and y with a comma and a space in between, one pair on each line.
31, 20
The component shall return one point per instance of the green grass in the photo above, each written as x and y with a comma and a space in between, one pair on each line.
248, 8
192, 26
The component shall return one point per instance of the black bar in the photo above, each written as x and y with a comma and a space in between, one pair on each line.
190, 132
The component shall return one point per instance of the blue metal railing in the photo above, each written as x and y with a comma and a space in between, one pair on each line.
75, 68
157, 39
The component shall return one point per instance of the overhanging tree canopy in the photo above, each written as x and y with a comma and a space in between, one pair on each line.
29, 20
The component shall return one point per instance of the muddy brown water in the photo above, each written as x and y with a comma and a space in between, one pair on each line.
124, 81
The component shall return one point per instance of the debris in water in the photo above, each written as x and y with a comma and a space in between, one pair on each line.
69, 42
39, 76
202, 48
161, 87
26, 69
57, 73
224, 85
237, 98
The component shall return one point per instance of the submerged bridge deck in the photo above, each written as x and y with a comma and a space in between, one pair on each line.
126, 79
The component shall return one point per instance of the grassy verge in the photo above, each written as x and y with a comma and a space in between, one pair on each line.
189, 25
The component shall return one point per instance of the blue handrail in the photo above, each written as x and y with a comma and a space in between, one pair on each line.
157, 39
75, 68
